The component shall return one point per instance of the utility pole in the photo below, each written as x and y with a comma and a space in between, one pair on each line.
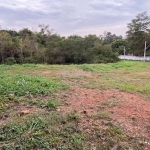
145, 50
124, 52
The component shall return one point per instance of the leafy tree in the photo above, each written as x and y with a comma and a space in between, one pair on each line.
138, 32
54, 50
118, 46
6, 45
108, 37
90, 41
104, 54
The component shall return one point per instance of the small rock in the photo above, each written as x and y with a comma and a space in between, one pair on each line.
24, 112
58, 109
85, 112
6, 105
10, 95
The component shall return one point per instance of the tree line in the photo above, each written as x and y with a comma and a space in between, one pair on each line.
26, 46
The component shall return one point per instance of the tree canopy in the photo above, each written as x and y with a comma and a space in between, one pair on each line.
138, 32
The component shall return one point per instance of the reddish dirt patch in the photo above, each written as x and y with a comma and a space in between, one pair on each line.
66, 73
46, 72
132, 114
143, 73
86, 99
75, 73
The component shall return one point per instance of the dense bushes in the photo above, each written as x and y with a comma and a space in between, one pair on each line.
26, 46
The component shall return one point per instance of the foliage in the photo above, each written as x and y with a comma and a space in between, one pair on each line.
10, 61
26, 46
108, 37
21, 85
52, 104
104, 54
119, 45
138, 32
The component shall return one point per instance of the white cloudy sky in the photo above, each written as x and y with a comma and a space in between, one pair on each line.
68, 17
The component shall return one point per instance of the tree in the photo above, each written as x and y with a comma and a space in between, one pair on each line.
138, 31
6, 46
26, 46
108, 37
118, 46
104, 54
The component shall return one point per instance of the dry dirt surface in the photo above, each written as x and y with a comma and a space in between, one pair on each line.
17, 110
131, 113
66, 73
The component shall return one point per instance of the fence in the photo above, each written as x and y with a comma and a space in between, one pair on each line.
126, 57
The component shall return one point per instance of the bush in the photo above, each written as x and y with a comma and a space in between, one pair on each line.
104, 54
10, 61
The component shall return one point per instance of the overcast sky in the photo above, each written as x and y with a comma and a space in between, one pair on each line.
69, 17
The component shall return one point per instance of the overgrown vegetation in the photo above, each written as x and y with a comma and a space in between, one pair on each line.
26, 46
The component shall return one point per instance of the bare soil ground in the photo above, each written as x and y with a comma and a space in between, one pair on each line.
129, 111
132, 112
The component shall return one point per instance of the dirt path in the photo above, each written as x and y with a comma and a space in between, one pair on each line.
127, 110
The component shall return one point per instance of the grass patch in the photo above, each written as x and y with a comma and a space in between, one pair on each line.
52, 104
52, 130
127, 66
21, 88
44, 131
87, 67
3, 100
49, 104
21, 85
129, 76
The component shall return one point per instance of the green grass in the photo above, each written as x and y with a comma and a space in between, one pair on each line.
50, 129
56, 131
15, 84
122, 65
124, 75
41, 132
127, 66
21, 85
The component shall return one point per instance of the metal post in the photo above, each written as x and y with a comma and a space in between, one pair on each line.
145, 50
124, 52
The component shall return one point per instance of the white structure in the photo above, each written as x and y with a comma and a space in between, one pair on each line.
126, 57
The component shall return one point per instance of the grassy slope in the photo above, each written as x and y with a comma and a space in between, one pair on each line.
49, 129
128, 76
